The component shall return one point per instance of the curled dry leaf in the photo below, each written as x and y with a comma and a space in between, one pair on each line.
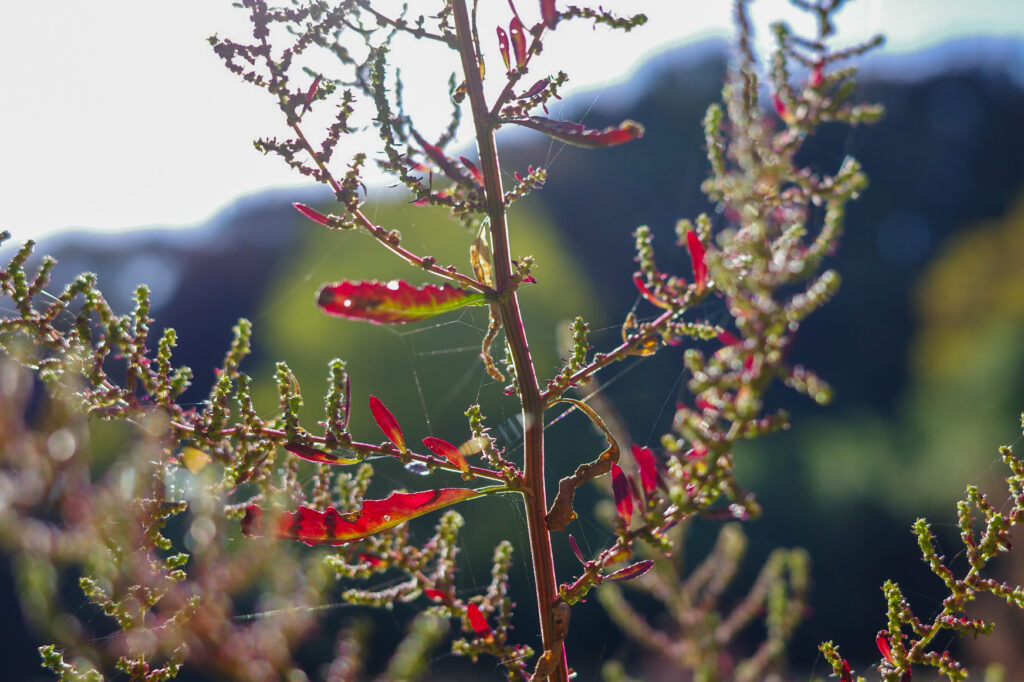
393, 302
579, 135
331, 527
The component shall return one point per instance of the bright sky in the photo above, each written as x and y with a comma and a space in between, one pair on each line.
117, 114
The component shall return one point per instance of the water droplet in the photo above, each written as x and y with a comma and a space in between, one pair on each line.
387, 517
739, 512
418, 468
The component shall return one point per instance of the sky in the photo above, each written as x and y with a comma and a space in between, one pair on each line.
118, 115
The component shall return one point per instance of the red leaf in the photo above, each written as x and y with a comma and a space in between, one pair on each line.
315, 216
387, 423
447, 166
312, 454
394, 302
548, 13
472, 169
632, 571
436, 595
332, 527
623, 495
518, 35
535, 89
311, 93
503, 47
847, 674
445, 449
576, 549
478, 622
371, 559
648, 466
641, 285
883, 646
817, 75
697, 252
579, 135
728, 338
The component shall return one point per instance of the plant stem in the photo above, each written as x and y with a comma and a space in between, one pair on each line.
529, 391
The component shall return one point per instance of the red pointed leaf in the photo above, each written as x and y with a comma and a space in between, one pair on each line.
315, 216
332, 527
623, 495
435, 595
847, 674
697, 253
576, 549
548, 13
478, 622
312, 454
518, 36
394, 302
535, 89
648, 466
387, 422
579, 135
641, 285
477, 175
728, 338
371, 559
447, 166
503, 47
632, 571
311, 93
443, 448
883, 646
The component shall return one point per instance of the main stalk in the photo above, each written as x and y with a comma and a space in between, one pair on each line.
515, 333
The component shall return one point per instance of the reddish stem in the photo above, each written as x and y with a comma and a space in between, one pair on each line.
535, 496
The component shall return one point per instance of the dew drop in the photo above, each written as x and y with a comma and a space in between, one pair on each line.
387, 517
418, 468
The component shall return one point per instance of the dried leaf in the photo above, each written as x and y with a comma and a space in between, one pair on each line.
697, 253
579, 135
312, 454
478, 622
387, 422
444, 449
194, 459
622, 493
632, 571
331, 527
647, 463
394, 302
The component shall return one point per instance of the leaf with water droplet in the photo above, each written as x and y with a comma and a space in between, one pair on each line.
393, 302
